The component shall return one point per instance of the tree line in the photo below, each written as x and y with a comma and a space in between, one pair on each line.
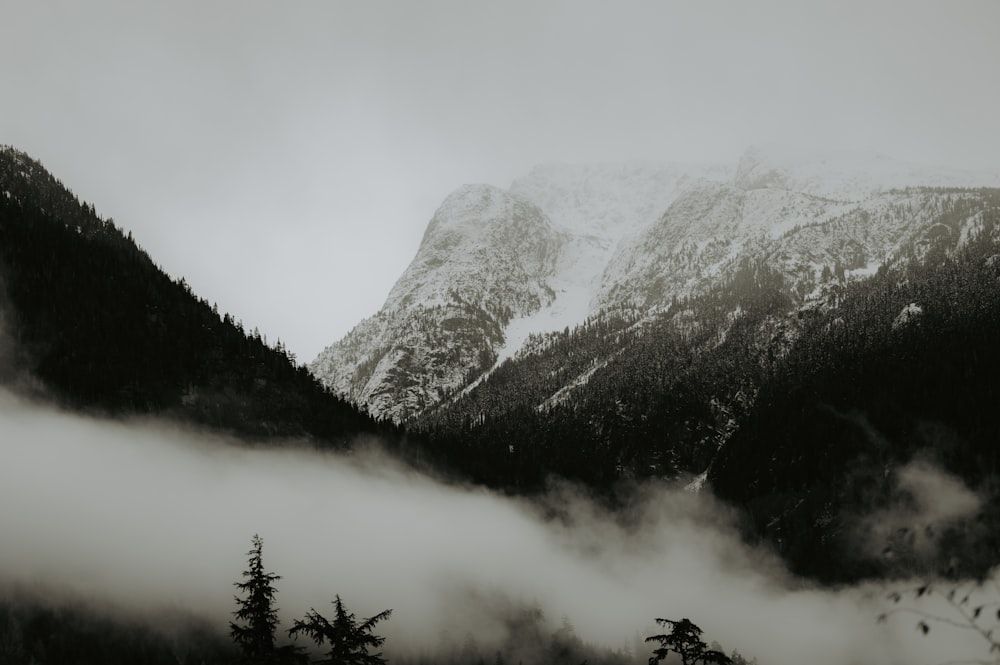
33, 632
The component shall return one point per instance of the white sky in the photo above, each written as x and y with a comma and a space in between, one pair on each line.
285, 157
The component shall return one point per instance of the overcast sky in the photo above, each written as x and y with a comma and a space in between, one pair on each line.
285, 157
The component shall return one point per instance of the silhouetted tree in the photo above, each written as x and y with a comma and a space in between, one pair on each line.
255, 635
684, 639
349, 640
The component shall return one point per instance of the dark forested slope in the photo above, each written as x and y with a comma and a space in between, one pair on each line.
905, 369
86, 312
805, 412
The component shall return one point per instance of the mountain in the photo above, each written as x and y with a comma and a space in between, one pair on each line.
565, 243
811, 413
813, 338
893, 379
486, 257
87, 318
494, 266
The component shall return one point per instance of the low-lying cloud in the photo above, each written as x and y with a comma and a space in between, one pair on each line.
150, 515
925, 501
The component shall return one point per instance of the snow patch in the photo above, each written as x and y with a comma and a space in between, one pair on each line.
868, 270
698, 483
563, 393
570, 307
909, 315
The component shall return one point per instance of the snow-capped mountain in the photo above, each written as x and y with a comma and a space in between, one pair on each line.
487, 256
596, 208
493, 267
566, 242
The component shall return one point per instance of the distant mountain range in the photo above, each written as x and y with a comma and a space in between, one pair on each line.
566, 243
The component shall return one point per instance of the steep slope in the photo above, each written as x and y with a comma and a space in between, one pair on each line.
898, 375
496, 280
88, 318
748, 316
486, 257
775, 194
813, 412
597, 208
625, 238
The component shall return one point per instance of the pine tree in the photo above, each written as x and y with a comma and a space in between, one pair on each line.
259, 616
684, 639
349, 640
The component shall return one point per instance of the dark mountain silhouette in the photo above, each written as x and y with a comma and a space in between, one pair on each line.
92, 321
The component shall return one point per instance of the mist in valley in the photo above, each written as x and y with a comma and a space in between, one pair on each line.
150, 517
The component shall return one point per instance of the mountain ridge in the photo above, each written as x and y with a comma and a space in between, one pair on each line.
617, 236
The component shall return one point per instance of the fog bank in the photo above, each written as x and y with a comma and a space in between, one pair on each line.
149, 515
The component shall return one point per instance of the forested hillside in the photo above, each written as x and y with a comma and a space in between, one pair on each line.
800, 409
88, 314
903, 369
621, 397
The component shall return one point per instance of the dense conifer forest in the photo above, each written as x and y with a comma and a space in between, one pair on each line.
101, 327
904, 368
798, 412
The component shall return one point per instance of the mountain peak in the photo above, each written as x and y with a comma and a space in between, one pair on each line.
486, 257
478, 200
467, 213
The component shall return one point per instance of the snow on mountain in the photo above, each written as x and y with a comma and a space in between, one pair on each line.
493, 267
596, 207
489, 246
565, 242
485, 258
704, 230
610, 201
774, 192
844, 175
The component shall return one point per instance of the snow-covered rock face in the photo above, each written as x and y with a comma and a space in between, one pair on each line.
610, 201
780, 208
492, 248
565, 242
486, 257
597, 208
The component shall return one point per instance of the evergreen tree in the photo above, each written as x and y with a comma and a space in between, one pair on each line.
255, 635
684, 639
349, 640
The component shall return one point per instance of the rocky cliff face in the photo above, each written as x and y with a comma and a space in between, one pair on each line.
487, 257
